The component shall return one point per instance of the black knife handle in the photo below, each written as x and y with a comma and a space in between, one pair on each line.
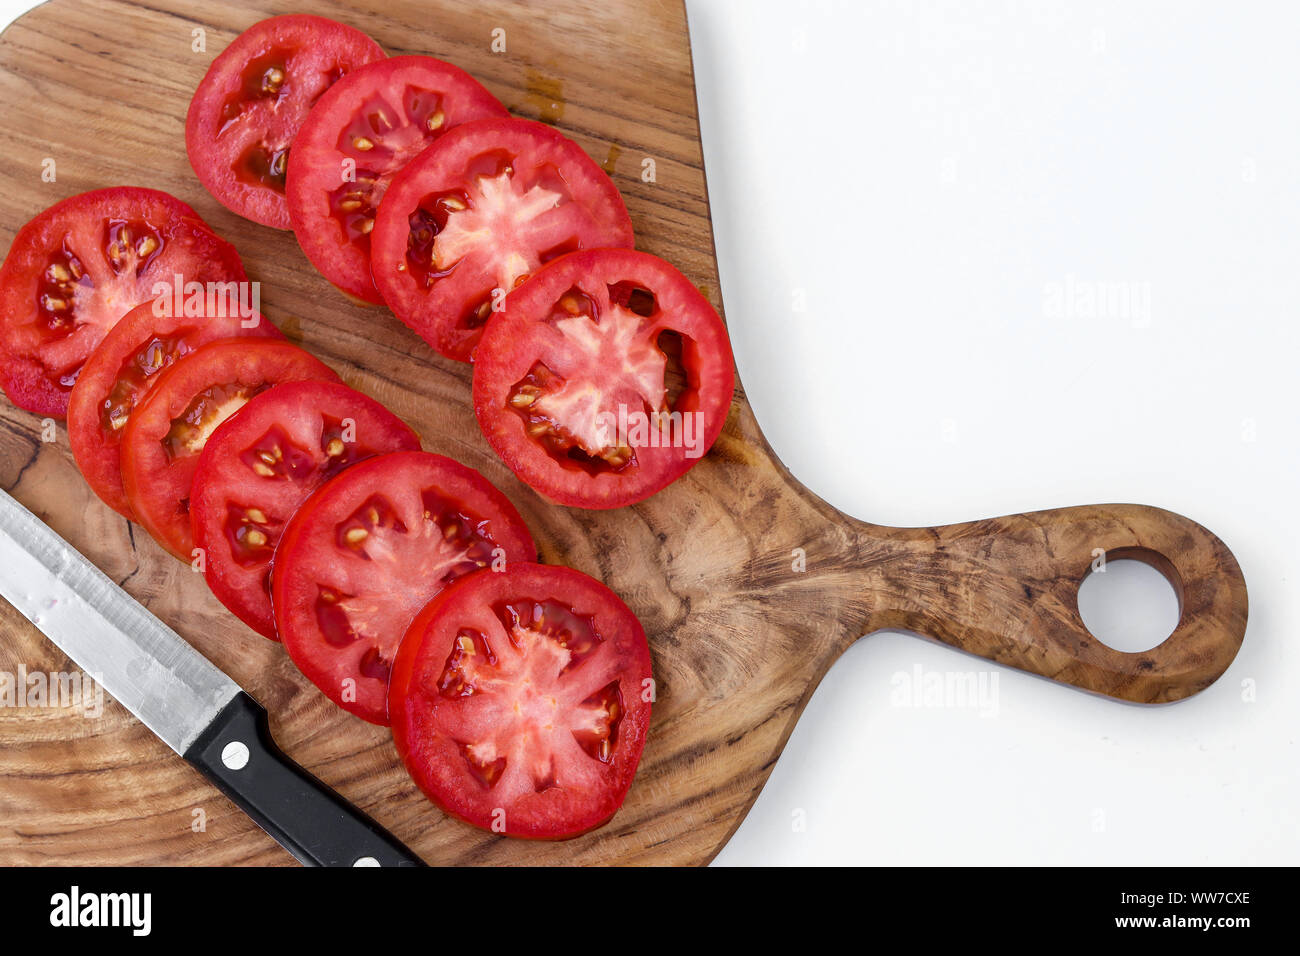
304, 816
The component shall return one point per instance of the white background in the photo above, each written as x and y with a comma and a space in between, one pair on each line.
898, 191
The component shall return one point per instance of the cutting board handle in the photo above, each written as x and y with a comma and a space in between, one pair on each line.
1007, 590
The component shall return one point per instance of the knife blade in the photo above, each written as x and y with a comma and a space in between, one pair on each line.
187, 701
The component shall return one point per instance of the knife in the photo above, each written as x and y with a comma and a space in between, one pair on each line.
194, 707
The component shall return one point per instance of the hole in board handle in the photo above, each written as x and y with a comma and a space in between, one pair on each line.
1133, 601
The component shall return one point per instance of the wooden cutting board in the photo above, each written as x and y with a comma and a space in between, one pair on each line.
749, 586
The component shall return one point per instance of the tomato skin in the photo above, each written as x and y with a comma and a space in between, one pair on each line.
233, 155
524, 231
306, 414
38, 362
157, 481
115, 368
405, 85
379, 595
525, 333
586, 792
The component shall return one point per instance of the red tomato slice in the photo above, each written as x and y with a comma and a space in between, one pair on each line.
367, 551
260, 465
520, 701
78, 267
255, 96
605, 378
122, 370
168, 429
363, 131
479, 211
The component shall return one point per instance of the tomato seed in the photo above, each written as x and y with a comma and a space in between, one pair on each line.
272, 79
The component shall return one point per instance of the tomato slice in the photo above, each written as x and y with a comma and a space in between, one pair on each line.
260, 465
365, 128
606, 377
520, 701
168, 429
364, 553
122, 370
78, 267
250, 104
476, 213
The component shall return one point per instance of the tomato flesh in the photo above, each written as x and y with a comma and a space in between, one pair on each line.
122, 370
364, 553
249, 106
478, 212
76, 269
521, 701
605, 378
260, 465
167, 431
370, 124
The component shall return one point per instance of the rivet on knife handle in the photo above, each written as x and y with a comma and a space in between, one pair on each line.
304, 816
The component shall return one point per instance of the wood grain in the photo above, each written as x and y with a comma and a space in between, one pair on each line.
740, 638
